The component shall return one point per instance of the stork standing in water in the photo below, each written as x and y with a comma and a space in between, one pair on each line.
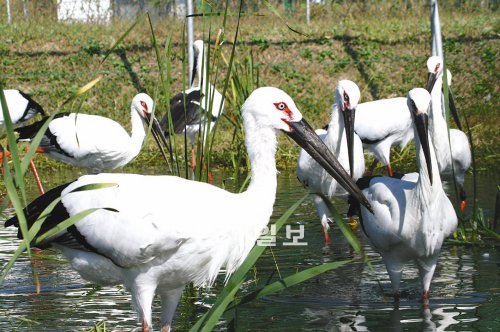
412, 217
151, 247
95, 142
193, 108
21, 108
345, 145
452, 152
381, 124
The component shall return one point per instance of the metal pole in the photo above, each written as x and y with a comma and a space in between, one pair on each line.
436, 41
9, 18
308, 11
190, 33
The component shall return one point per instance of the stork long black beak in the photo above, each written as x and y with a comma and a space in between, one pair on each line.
422, 125
302, 133
431, 80
158, 135
349, 116
453, 109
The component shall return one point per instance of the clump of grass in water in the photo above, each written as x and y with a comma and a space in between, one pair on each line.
478, 225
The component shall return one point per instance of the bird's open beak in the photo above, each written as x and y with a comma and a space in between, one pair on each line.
422, 124
302, 133
158, 135
431, 80
453, 108
349, 115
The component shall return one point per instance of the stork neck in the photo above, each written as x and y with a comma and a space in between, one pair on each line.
138, 132
261, 147
201, 70
424, 189
437, 125
336, 130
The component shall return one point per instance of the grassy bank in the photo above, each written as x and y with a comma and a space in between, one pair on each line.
382, 48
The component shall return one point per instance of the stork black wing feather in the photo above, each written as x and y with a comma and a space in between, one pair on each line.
183, 111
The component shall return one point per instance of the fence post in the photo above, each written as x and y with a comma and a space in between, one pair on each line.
308, 11
190, 33
9, 18
436, 41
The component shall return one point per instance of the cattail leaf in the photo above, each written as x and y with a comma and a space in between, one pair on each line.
346, 230
66, 223
93, 186
12, 146
291, 280
82, 90
208, 321
35, 142
125, 34
273, 10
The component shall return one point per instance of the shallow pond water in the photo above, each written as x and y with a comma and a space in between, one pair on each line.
464, 293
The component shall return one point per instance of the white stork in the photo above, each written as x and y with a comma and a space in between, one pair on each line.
193, 108
412, 216
452, 152
345, 145
92, 141
21, 108
381, 124
156, 241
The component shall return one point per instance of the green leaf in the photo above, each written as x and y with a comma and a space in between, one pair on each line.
65, 224
346, 230
272, 8
115, 45
291, 280
82, 90
12, 146
34, 145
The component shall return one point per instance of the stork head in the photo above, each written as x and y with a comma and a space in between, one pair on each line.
347, 95
435, 68
419, 103
272, 107
347, 99
144, 105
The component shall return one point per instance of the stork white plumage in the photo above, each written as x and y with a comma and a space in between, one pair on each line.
21, 108
412, 216
345, 145
155, 241
452, 152
92, 141
197, 107
381, 124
